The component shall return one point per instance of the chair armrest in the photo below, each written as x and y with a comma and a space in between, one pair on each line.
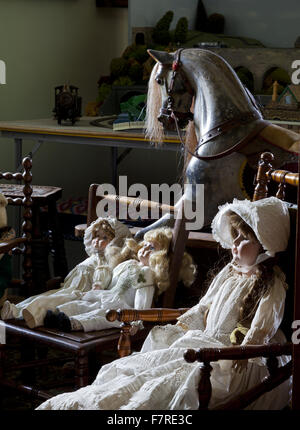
152, 315
10, 244
277, 375
237, 352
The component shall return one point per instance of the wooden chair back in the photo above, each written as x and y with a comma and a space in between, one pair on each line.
179, 239
287, 260
24, 178
291, 258
95, 197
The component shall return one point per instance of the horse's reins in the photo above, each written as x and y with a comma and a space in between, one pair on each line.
214, 132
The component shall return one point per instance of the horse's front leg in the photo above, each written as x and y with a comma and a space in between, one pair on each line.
168, 220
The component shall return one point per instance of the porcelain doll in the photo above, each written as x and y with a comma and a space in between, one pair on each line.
134, 284
106, 247
244, 304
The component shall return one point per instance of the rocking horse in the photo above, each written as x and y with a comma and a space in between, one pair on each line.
226, 131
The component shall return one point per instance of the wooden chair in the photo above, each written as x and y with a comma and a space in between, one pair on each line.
46, 239
43, 240
181, 240
207, 355
85, 349
194, 240
24, 200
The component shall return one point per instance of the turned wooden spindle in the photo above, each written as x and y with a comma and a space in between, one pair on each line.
27, 223
124, 344
204, 386
264, 165
111, 315
158, 315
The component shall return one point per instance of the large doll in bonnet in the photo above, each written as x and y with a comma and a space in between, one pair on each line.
244, 304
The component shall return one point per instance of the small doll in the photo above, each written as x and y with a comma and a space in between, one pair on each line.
244, 304
6, 233
134, 284
104, 242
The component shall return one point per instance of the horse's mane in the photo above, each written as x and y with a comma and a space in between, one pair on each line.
154, 129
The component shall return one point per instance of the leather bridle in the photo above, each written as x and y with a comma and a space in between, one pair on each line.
170, 117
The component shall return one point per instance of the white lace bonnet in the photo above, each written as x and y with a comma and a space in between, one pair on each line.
269, 219
121, 232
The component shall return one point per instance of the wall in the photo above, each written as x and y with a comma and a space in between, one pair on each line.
144, 13
275, 23
259, 61
46, 43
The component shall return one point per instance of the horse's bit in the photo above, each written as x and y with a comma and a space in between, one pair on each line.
168, 115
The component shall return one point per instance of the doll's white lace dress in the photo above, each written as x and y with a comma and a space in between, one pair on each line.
79, 280
158, 377
128, 285
132, 286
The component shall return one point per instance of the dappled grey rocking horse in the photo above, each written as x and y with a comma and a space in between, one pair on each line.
226, 130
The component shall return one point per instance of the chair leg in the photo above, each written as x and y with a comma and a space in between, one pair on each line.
2, 362
82, 369
40, 267
27, 353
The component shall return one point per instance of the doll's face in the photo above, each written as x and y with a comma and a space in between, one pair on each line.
244, 250
146, 250
101, 239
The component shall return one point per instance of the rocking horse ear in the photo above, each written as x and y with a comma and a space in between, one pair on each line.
161, 56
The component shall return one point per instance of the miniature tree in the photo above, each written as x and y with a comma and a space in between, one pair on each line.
201, 17
161, 33
215, 23
181, 30
118, 67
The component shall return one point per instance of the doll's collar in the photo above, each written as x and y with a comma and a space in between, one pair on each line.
245, 269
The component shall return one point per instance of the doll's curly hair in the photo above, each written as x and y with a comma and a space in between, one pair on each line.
117, 250
264, 278
159, 260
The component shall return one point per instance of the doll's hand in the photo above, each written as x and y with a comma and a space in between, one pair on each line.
133, 330
97, 287
135, 327
240, 365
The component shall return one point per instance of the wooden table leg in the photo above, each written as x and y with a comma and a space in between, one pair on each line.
82, 369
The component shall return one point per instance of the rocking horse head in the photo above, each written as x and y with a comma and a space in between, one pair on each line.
177, 94
222, 106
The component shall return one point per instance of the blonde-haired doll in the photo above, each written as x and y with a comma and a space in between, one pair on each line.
244, 304
134, 284
105, 246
